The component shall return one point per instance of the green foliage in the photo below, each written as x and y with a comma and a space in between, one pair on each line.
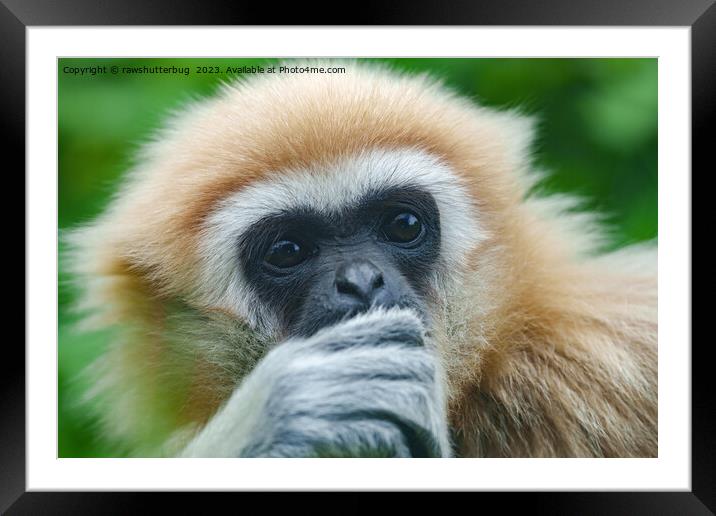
597, 138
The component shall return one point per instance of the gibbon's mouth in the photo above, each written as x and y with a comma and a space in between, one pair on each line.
308, 326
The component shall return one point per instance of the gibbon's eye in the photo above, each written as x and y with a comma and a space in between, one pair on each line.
286, 253
403, 228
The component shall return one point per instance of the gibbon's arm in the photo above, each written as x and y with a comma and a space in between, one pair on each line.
365, 387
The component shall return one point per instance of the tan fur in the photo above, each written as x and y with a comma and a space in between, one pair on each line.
549, 352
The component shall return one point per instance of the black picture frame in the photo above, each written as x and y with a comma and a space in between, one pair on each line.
700, 15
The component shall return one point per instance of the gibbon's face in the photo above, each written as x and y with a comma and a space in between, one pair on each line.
315, 268
289, 203
312, 247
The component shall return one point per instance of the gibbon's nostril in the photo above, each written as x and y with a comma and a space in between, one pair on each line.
360, 279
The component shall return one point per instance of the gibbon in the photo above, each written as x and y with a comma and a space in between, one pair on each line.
323, 265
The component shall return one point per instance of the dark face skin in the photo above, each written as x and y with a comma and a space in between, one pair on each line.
315, 270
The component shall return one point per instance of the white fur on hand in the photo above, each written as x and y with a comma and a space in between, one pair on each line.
369, 386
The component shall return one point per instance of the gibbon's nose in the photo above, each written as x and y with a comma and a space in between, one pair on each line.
359, 279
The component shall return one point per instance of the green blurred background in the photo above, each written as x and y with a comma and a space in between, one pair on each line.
597, 138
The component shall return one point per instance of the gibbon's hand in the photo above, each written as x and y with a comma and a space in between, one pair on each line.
367, 387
